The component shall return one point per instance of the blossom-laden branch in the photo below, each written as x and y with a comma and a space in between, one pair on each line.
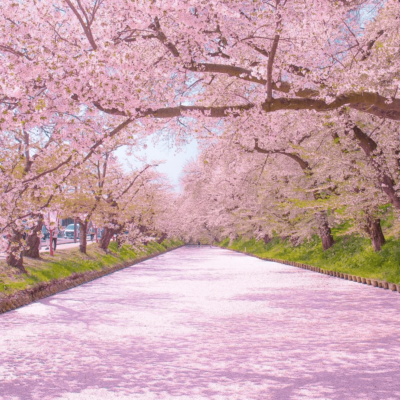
371, 103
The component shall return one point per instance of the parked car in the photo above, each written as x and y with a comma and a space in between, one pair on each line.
69, 231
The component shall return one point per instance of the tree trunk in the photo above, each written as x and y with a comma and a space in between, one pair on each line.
33, 241
15, 257
374, 230
294, 240
324, 230
232, 238
108, 233
162, 237
75, 230
266, 239
386, 182
82, 236
121, 238
388, 186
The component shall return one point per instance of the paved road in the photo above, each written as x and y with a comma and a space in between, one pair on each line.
60, 240
201, 323
61, 244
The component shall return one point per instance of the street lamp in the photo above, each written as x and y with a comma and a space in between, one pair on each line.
51, 223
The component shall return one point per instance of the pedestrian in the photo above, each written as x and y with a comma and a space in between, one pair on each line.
198, 244
55, 235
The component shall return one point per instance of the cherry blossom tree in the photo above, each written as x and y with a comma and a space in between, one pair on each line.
132, 60
293, 183
128, 204
78, 75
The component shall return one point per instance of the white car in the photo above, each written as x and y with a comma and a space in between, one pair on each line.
69, 231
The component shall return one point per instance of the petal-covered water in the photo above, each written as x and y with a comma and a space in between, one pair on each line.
205, 323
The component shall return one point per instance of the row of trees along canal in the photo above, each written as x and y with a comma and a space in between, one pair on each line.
303, 95
298, 184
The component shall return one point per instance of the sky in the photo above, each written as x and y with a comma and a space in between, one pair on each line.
175, 159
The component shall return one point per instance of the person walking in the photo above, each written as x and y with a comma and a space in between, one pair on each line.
55, 235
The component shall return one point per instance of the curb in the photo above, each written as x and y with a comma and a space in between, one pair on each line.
366, 281
46, 289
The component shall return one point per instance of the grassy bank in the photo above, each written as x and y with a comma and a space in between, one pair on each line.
350, 254
70, 261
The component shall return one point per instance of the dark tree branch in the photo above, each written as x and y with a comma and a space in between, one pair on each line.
159, 34
304, 165
15, 52
171, 112
270, 64
85, 27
